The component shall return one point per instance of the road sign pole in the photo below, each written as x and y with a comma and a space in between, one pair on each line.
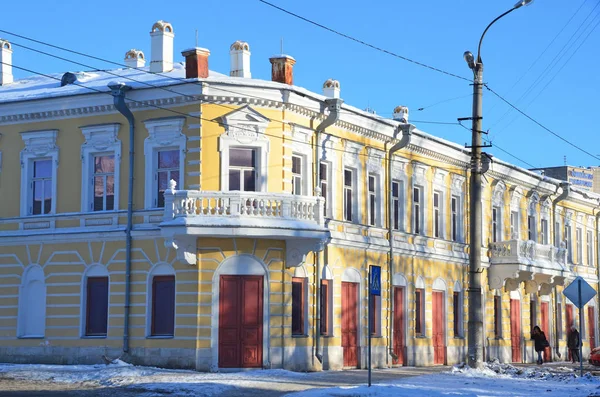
580, 330
370, 322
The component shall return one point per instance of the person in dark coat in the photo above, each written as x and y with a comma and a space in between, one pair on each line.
573, 344
540, 342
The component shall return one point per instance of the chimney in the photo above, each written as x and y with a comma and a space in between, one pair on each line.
196, 62
331, 88
283, 69
6, 76
401, 114
162, 47
240, 59
135, 59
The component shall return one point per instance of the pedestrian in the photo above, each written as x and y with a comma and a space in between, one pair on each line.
540, 342
573, 344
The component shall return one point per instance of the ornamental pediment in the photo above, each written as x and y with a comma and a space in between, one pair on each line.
245, 125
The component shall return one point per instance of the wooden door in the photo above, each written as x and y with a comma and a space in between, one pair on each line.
515, 330
399, 325
439, 348
591, 327
546, 328
240, 321
350, 324
569, 323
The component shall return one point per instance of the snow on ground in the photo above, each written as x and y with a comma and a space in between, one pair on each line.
494, 380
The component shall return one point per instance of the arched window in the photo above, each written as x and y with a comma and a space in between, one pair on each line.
95, 301
161, 301
32, 304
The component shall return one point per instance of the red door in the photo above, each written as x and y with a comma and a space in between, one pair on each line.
240, 321
515, 329
439, 348
591, 327
399, 325
569, 324
546, 329
350, 324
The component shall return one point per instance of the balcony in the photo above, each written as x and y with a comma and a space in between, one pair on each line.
539, 266
190, 214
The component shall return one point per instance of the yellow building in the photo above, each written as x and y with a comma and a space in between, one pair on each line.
256, 211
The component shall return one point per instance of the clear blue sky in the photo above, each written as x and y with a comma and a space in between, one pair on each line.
434, 32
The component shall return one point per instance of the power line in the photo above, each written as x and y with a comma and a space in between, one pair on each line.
362, 42
540, 124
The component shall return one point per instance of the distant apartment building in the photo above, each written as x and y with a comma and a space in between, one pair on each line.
583, 178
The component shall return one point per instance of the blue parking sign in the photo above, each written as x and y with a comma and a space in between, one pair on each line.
375, 281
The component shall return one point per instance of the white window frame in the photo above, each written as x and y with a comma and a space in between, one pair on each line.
352, 189
515, 208
352, 161
39, 145
496, 224
375, 168
100, 140
579, 244
419, 180
163, 134
372, 200
590, 249
440, 187
398, 204
457, 191
544, 231
417, 210
328, 154
532, 228
303, 176
438, 228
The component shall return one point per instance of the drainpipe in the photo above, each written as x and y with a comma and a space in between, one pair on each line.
404, 141
335, 106
563, 195
118, 91
597, 250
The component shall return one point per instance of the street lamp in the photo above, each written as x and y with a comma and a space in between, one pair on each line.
475, 324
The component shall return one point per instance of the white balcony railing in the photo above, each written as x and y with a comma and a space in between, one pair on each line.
195, 203
524, 251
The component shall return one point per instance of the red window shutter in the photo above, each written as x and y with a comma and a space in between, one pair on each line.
297, 306
96, 306
324, 304
163, 306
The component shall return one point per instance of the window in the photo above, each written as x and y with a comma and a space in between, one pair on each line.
298, 306
437, 215
167, 169
559, 317
497, 316
417, 210
455, 218
514, 225
544, 238
590, 252
32, 303
496, 224
531, 228
96, 318
397, 216
297, 175
39, 159
579, 243
104, 183
456, 307
242, 169
568, 243
101, 157
164, 152
419, 312
41, 186
324, 182
348, 193
372, 202
325, 306
533, 314
163, 306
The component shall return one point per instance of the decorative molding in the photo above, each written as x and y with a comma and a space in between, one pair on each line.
439, 176
374, 160
352, 153
419, 173
185, 246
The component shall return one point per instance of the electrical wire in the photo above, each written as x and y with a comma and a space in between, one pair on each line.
361, 41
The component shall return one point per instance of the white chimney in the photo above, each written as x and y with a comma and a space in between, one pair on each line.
6, 76
135, 59
331, 88
401, 114
240, 59
162, 47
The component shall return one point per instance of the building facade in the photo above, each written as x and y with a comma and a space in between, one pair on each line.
256, 210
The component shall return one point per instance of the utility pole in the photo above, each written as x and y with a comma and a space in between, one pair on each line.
475, 322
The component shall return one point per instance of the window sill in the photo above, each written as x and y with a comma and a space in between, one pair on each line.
376, 336
299, 336
421, 337
31, 337
93, 337
160, 337
460, 337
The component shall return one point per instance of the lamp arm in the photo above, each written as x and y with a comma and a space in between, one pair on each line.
485, 31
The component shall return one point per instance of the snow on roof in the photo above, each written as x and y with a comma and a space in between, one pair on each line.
40, 87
